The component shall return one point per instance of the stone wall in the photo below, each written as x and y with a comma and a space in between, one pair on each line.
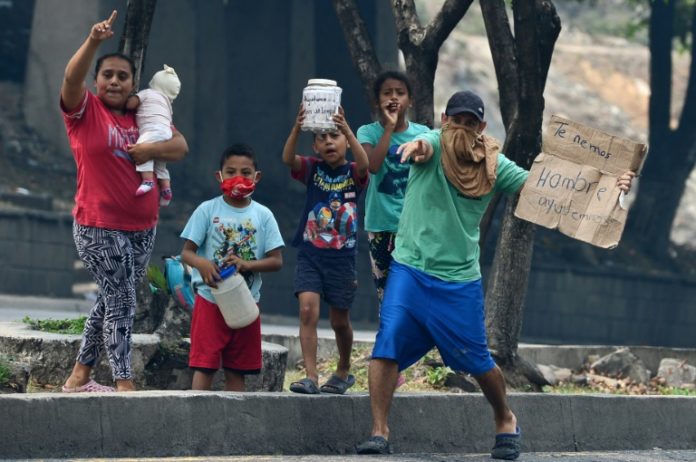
609, 307
37, 252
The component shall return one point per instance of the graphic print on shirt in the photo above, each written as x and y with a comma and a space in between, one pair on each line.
333, 224
396, 174
235, 238
119, 139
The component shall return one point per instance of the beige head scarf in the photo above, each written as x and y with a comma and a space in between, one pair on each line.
469, 160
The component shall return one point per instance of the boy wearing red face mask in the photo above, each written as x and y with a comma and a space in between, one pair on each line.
230, 229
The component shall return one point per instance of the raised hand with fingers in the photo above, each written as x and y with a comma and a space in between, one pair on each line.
340, 121
103, 29
416, 151
390, 112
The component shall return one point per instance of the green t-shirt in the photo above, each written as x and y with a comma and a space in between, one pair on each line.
439, 227
386, 189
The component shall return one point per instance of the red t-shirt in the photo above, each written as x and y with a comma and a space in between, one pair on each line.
106, 176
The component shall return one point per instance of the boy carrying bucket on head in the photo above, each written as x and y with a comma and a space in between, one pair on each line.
231, 229
327, 241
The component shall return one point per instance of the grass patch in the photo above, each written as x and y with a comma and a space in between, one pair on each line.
422, 377
57, 326
4, 372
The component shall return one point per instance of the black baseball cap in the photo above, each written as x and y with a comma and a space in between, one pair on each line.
465, 101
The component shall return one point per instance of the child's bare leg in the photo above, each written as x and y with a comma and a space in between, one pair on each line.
202, 380
309, 317
340, 323
234, 381
147, 184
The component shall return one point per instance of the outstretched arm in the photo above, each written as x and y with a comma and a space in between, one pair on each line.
418, 151
289, 157
72, 91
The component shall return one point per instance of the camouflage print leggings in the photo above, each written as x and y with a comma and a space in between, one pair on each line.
117, 260
381, 248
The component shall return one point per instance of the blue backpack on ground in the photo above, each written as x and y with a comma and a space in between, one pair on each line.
179, 281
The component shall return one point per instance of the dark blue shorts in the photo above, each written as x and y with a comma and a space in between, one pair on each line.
334, 278
420, 311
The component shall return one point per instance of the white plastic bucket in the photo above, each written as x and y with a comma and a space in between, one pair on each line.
235, 302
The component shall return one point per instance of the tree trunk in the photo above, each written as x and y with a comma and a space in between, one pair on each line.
136, 32
521, 79
362, 53
672, 152
421, 45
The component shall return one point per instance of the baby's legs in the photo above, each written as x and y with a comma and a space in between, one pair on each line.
147, 173
164, 183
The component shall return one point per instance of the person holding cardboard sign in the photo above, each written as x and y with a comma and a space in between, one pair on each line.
433, 296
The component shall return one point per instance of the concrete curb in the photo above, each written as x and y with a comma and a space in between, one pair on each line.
157, 424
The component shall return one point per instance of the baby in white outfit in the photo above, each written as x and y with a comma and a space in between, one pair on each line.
154, 119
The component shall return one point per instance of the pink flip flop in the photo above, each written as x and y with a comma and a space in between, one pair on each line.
89, 387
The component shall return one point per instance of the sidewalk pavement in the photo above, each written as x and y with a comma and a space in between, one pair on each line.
656, 455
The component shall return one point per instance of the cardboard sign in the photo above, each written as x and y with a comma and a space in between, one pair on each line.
572, 183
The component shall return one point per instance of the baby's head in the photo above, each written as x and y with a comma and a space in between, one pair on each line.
166, 82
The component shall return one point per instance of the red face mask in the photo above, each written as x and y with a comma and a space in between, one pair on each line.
238, 187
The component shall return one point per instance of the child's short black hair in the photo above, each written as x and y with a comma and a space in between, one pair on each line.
238, 149
395, 75
118, 55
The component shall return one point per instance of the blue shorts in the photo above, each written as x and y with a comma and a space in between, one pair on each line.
420, 311
334, 278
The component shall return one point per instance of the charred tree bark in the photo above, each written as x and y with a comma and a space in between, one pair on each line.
421, 45
136, 32
362, 53
672, 151
521, 83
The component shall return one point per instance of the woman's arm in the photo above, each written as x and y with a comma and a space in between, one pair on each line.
166, 151
72, 91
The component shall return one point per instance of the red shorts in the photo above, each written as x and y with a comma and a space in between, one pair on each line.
213, 343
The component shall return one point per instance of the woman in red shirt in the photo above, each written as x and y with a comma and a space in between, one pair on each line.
114, 231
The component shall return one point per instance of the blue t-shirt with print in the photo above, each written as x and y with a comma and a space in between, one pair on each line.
385, 193
329, 222
219, 229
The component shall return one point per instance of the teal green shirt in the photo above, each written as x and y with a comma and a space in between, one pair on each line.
386, 189
439, 228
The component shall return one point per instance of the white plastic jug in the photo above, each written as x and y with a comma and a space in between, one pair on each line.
235, 302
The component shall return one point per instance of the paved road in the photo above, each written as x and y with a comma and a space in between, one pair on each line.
632, 456
15, 307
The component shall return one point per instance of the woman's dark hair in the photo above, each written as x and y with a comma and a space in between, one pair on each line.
118, 55
238, 149
395, 75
